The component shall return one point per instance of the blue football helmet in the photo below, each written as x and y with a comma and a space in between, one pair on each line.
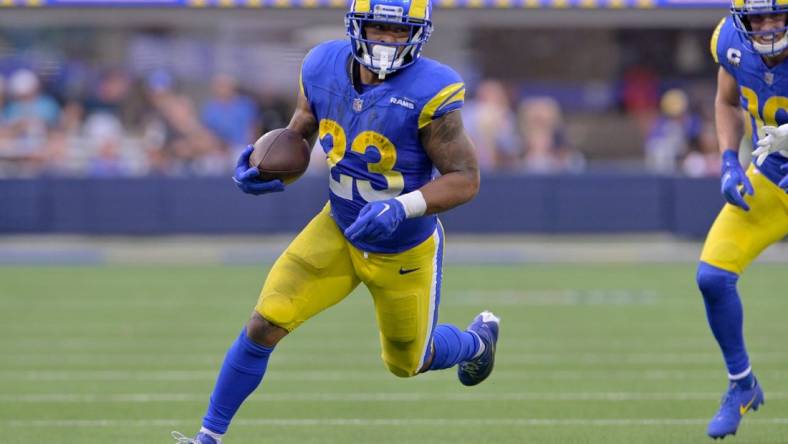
742, 10
384, 58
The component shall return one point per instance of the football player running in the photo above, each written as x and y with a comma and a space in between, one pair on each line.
751, 46
385, 117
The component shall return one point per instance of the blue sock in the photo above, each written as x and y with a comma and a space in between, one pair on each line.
746, 382
452, 346
243, 369
725, 315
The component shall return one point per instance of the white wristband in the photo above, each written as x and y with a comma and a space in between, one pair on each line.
414, 204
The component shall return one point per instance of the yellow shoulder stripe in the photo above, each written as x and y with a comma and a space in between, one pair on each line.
450, 94
457, 97
715, 37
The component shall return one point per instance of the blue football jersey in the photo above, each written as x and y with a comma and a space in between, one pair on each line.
371, 139
763, 90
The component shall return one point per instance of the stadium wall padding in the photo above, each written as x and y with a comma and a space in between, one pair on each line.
583, 204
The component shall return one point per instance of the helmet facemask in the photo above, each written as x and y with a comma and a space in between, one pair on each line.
384, 58
744, 10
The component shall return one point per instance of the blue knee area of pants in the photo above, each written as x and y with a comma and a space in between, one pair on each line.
241, 373
452, 346
725, 314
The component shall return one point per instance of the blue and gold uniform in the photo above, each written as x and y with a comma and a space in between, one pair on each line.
371, 139
370, 135
737, 236
373, 150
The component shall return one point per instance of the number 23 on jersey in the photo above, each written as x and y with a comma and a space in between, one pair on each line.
363, 142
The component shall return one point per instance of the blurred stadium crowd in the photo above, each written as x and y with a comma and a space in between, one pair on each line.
123, 126
101, 121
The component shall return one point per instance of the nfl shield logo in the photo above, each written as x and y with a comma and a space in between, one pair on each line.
769, 78
357, 105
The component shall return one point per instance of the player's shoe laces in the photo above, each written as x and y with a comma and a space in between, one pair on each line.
735, 403
485, 326
201, 438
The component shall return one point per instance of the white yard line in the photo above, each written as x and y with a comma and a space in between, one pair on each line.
289, 357
254, 250
364, 422
353, 375
86, 398
350, 344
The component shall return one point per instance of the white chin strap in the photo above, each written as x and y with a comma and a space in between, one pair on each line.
381, 59
771, 48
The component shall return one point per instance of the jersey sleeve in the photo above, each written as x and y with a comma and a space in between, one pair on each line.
308, 71
720, 42
314, 66
449, 95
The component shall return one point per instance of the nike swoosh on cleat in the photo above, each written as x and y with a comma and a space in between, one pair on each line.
408, 270
743, 408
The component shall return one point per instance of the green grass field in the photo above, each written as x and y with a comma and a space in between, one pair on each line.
588, 354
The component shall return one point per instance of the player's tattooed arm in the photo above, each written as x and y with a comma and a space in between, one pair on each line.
727, 111
303, 120
453, 154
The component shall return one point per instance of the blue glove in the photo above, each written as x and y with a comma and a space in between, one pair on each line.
784, 182
246, 177
733, 177
376, 221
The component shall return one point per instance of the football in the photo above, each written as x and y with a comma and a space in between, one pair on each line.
280, 154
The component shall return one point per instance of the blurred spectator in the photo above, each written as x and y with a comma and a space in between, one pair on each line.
104, 132
276, 109
30, 113
546, 146
233, 118
704, 161
28, 117
53, 157
673, 133
71, 117
113, 96
2, 107
490, 123
640, 96
177, 141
